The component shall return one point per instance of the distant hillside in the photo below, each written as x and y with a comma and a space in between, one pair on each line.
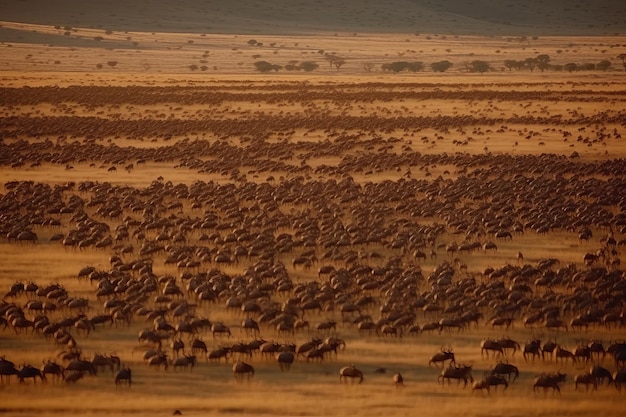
462, 17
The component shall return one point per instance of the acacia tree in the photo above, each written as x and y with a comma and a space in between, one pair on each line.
571, 66
264, 66
334, 60
531, 63
479, 66
543, 62
441, 66
368, 66
623, 58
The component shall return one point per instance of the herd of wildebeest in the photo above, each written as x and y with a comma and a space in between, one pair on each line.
309, 253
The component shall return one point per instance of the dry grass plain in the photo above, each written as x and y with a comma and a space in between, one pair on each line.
400, 159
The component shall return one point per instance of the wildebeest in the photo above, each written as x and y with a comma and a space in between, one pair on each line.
103, 361
532, 348
7, 368
546, 381
80, 365
398, 380
490, 345
548, 349
564, 354
159, 359
199, 346
241, 370
122, 375
506, 343
495, 380
285, 359
74, 377
218, 329
217, 354
507, 369
350, 372
29, 371
600, 373
586, 379
619, 378
458, 372
184, 361
481, 385
442, 357
53, 368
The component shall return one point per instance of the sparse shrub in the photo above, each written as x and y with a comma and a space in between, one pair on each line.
441, 66
112, 63
368, 66
98, 38
571, 66
309, 66
603, 65
193, 67
264, 66
252, 42
99, 66
479, 66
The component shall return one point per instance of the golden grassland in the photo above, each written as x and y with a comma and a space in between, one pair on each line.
158, 60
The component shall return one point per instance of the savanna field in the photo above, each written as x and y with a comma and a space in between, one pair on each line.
169, 208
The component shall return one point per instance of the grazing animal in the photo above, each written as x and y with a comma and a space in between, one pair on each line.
350, 372
398, 380
177, 346
184, 362
241, 370
102, 361
505, 369
490, 345
217, 354
546, 381
481, 385
532, 349
564, 354
548, 349
495, 380
218, 329
586, 379
79, 365
600, 373
506, 343
198, 346
28, 371
158, 360
7, 368
620, 358
619, 378
123, 376
460, 372
54, 369
74, 377
442, 357
285, 359
596, 350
